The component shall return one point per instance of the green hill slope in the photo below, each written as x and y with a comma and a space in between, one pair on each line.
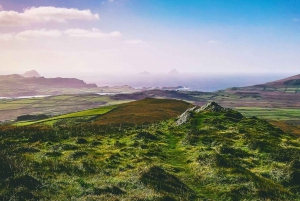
208, 153
84, 115
145, 111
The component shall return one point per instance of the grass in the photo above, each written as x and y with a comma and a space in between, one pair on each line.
271, 113
144, 111
214, 156
140, 112
52, 120
54, 105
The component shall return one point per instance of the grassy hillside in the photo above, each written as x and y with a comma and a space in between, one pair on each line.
83, 115
144, 111
10, 109
214, 155
139, 112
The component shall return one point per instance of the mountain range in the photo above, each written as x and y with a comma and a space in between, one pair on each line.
31, 83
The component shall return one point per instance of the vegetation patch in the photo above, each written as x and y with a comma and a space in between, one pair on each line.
154, 176
216, 155
79, 154
109, 190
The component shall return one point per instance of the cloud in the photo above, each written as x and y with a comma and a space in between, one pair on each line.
25, 35
296, 20
94, 33
111, 1
136, 42
1, 8
43, 33
44, 14
6, 37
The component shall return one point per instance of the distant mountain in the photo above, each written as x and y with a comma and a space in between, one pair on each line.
280, 93
18, 85
144, 73
293, 81
173, 72
32, 73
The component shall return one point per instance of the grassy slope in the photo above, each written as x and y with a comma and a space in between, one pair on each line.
216, 156
139, 112
144, 111
10, 109
287, 119
85, 113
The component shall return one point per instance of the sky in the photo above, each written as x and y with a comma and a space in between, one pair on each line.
79, 38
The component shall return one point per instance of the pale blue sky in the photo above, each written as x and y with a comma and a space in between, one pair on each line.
203, 36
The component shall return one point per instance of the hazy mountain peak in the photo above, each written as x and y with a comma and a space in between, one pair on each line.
173, 72
144, 73
32, 73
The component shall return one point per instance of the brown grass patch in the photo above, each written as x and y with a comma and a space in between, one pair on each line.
145, 111
287, 127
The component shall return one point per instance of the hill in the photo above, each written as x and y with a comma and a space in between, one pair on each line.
32, 73
133, 113
285, 87
17, 85
214, 153
144, 112
173, 72
286, 82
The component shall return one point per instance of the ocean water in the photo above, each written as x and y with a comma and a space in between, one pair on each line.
198, 82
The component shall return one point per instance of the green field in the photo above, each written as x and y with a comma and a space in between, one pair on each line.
10, 109
283, 114
84, 113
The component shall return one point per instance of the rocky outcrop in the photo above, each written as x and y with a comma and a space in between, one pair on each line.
211, 106
184, 117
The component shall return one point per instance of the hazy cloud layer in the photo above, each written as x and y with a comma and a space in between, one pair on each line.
44, 14
42, 33
94, 33
136, 42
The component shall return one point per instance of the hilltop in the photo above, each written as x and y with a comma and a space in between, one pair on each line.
32, 73
293, 81
31, 84
173, 72
215, 154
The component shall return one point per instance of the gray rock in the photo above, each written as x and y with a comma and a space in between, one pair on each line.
184, 117
213, 107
